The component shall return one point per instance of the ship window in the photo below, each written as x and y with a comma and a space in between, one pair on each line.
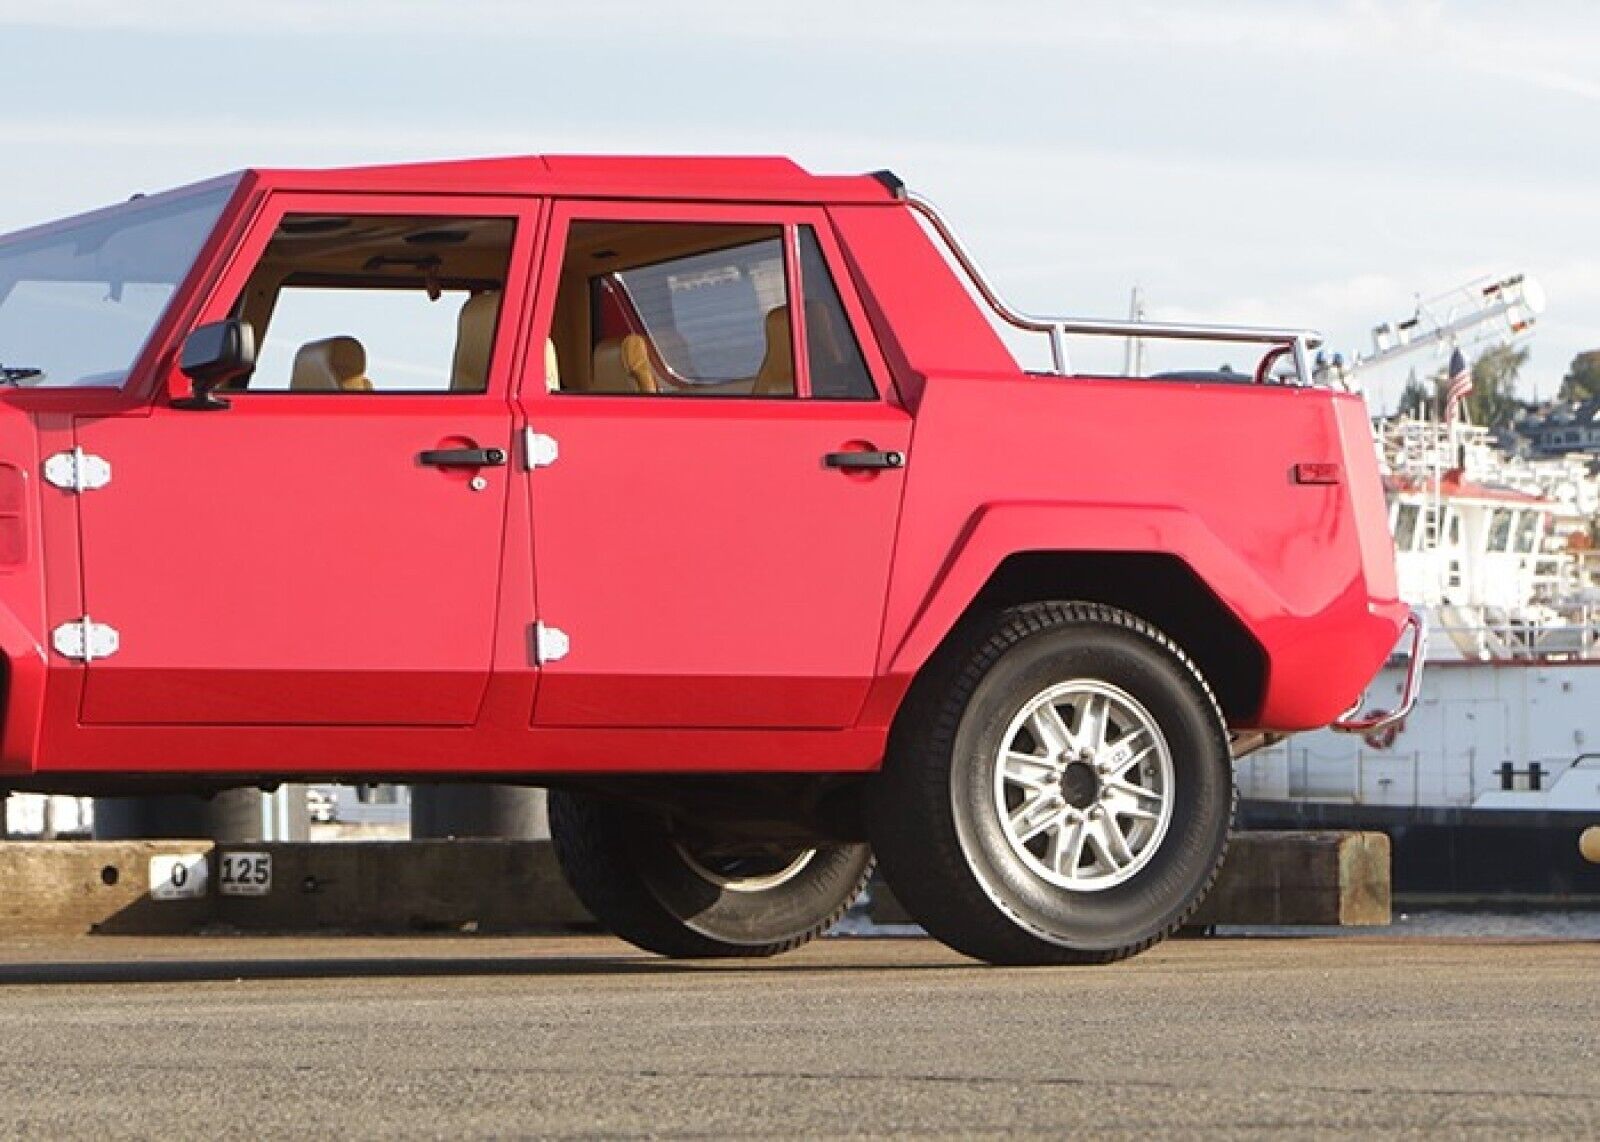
1405, 527
1454, 530
1430, 529
1500, 530
1528, 533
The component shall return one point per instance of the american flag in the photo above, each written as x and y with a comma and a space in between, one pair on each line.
1460, 384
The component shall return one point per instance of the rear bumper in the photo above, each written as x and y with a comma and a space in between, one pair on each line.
1319, 668
1355, 721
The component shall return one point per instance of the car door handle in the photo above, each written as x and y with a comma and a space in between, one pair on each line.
859, 461
463, 457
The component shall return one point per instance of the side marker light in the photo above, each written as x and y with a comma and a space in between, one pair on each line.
1317, 473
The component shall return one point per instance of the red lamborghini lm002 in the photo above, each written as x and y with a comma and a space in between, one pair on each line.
703, 492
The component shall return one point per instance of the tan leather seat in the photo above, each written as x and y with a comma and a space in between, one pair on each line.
776, 375
552, 367
622, 365
474, 342
334, 364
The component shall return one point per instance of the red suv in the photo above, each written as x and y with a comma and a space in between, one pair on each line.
703, 492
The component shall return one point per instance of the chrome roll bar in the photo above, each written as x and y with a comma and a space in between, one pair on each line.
1298, 341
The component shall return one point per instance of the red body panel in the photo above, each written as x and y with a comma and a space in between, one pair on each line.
1208, 481
296, 595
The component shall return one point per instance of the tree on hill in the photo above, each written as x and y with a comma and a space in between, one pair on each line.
1416, 399
1582, 381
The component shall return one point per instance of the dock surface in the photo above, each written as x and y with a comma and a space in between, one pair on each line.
449, 1036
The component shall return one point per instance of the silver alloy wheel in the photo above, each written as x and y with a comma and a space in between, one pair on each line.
743, 874
1083, 785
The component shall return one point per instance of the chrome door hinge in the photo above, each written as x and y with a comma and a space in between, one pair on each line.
77, 471
538, 450
549, 644
85, 639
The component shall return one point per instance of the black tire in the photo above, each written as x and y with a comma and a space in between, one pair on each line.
936, 821
643, 885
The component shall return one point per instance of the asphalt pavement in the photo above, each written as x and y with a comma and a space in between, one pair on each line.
479, 1036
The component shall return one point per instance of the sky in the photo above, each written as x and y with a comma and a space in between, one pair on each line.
1286, 163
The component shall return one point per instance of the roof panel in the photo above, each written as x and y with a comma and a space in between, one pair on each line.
736, 177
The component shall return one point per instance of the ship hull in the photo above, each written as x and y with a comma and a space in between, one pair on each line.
1484, 792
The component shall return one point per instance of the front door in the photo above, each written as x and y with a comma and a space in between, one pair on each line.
326, 550
714, 536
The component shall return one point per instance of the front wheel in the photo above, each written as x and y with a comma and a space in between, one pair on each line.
685, 893
1058, 788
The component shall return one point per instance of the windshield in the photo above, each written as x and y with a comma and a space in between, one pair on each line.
79, 299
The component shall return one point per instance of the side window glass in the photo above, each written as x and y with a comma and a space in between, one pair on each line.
674, 309
838, 371
377, 304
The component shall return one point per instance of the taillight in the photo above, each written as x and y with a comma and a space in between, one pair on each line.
1317, 473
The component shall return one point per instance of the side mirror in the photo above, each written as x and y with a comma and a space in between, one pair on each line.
215, 355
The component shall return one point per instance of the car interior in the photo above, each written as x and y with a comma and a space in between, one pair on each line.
452, 261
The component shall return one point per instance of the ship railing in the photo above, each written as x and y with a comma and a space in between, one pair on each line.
1294, 344
1523, 641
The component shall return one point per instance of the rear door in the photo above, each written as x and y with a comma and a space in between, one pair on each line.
714, 536
326, 550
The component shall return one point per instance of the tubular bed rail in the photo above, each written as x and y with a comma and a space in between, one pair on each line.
1297, 342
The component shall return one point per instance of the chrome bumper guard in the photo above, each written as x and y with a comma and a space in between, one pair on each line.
1352, 721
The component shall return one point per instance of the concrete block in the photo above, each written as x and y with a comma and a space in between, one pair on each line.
408, 886
1268, 878
75, 888
1293, 878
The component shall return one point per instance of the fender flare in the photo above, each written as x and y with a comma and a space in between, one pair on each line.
997, 531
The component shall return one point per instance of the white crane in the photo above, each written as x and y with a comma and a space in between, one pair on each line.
1498, 310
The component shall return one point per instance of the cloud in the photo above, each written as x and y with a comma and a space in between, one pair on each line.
1551, 46
1413, 144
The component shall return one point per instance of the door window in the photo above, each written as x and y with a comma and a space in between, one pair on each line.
838, 371
694, 309
377, 304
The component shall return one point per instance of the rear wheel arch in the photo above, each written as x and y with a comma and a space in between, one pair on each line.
1158, 587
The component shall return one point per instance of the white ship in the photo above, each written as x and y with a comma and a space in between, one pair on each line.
1487, 785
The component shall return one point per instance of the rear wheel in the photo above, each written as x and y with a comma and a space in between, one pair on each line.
687, 893
1058, 788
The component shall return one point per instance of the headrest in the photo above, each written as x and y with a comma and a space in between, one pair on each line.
622, 365
334, 364
552, 367
474, 342
776, 376
777, 327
